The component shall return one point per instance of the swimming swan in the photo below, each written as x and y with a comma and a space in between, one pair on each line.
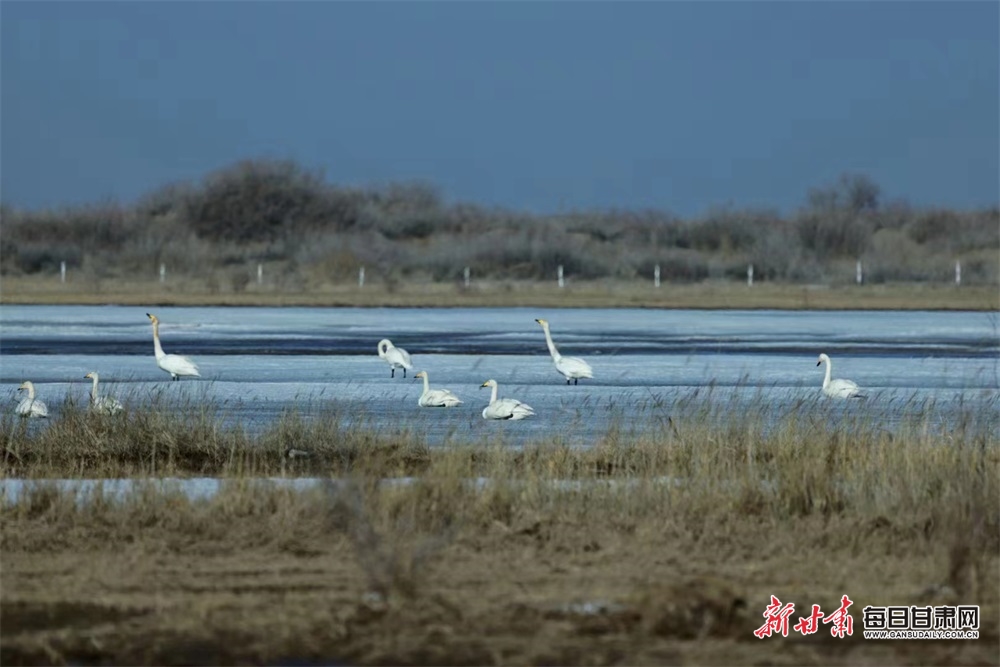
30, 406
571, 368
174, 364
837, 388
397, 357
435, 398
106, 404
505, 408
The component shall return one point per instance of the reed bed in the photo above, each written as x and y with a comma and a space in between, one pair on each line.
660, 543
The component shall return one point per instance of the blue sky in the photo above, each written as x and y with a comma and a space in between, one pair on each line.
538, 106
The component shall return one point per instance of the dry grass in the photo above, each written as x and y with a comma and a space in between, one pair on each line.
675, 534
593, 294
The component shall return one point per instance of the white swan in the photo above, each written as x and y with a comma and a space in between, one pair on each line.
107, 404
571, 368
505, 408
397, 357
435, 398
837, 388
174, 364
30, 406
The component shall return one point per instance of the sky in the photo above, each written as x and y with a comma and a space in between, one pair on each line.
533, 106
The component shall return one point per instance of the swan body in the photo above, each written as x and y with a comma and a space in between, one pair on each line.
570, 368
396, 357
31, 406
837, 388
435, 398
174, 364
107, 404
505, 408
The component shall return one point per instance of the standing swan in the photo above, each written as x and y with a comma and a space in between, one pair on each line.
397, 357
30, 406
837, 388
571, 368
505, 408
107, 404
174, 364
435, 398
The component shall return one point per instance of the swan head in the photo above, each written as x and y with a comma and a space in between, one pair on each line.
421, 374
488, 383
90, 375
153, 318
544, 323
383, 346
822, 358
26, 385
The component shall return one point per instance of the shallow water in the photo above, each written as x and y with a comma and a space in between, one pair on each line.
259, 363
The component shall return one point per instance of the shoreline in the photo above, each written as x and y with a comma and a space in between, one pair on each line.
510, 294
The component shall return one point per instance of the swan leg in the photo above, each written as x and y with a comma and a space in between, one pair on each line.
404, 371
392, 372
567, 380
576, 381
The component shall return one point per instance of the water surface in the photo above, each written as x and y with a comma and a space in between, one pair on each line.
260, 363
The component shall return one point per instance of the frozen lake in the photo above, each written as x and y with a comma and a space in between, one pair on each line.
258, 363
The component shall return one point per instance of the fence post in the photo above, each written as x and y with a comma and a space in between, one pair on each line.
361, 277
656, 275
562, 283
859, 277
466, 275
750, 276
958, 272
260, 274
163, 273
62, 272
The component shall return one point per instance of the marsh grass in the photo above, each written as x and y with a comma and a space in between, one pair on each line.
675, 530
603, 293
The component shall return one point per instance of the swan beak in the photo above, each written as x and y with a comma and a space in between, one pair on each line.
484, 385
818, 363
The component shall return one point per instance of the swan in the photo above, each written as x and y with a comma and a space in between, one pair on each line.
174, 364
435, 398
837, 388
571, 368
106, 404
397, 357
505, 408
30, 406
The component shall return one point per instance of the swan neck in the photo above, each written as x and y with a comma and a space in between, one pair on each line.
552, 346
93, 390
829, 370
427, 383
493, 394
31, 392
157, 348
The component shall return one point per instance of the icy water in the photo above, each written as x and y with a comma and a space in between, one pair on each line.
259, 363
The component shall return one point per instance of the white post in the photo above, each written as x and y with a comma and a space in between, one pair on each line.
260, 274
958, 272
858, 275
467, 276
562, 283
361, 277
163, 273
750, 276
62, 272
656, 275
